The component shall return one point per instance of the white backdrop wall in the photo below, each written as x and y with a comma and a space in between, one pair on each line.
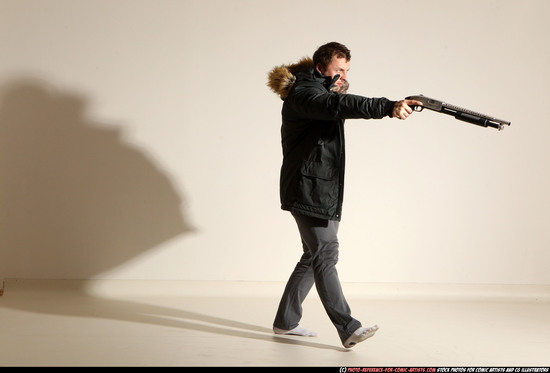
138, 139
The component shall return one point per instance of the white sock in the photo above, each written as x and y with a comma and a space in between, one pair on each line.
296, 331
360, 335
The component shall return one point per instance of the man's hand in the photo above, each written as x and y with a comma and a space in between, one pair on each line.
402, 109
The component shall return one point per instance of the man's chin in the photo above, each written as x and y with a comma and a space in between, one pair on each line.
341, 88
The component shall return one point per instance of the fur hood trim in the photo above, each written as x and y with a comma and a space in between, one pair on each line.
281, 79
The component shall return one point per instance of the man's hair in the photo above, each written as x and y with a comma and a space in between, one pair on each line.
323, 55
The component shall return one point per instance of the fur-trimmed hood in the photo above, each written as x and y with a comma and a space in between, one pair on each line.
281, 79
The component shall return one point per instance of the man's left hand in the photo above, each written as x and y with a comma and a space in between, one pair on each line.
402, 109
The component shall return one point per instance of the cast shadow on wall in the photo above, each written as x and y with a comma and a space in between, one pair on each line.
75, 199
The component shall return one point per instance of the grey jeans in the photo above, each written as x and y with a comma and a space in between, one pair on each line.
317, 265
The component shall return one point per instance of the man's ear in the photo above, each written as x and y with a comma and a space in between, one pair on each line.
320, 68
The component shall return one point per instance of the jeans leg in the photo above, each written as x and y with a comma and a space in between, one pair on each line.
321, 238
297, 288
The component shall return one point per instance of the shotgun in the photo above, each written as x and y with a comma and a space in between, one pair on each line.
458, 112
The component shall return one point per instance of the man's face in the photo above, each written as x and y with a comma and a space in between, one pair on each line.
338, 66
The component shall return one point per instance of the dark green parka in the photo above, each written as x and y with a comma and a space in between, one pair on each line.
312, 174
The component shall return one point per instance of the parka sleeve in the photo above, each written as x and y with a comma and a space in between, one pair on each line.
316, 103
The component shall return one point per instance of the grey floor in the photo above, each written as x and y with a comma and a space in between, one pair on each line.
66, 324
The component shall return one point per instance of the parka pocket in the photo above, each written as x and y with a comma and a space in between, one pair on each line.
319, 185
318, 170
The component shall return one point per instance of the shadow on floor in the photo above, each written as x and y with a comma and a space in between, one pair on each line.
71, 301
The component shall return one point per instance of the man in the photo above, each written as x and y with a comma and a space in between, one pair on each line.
312, 178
